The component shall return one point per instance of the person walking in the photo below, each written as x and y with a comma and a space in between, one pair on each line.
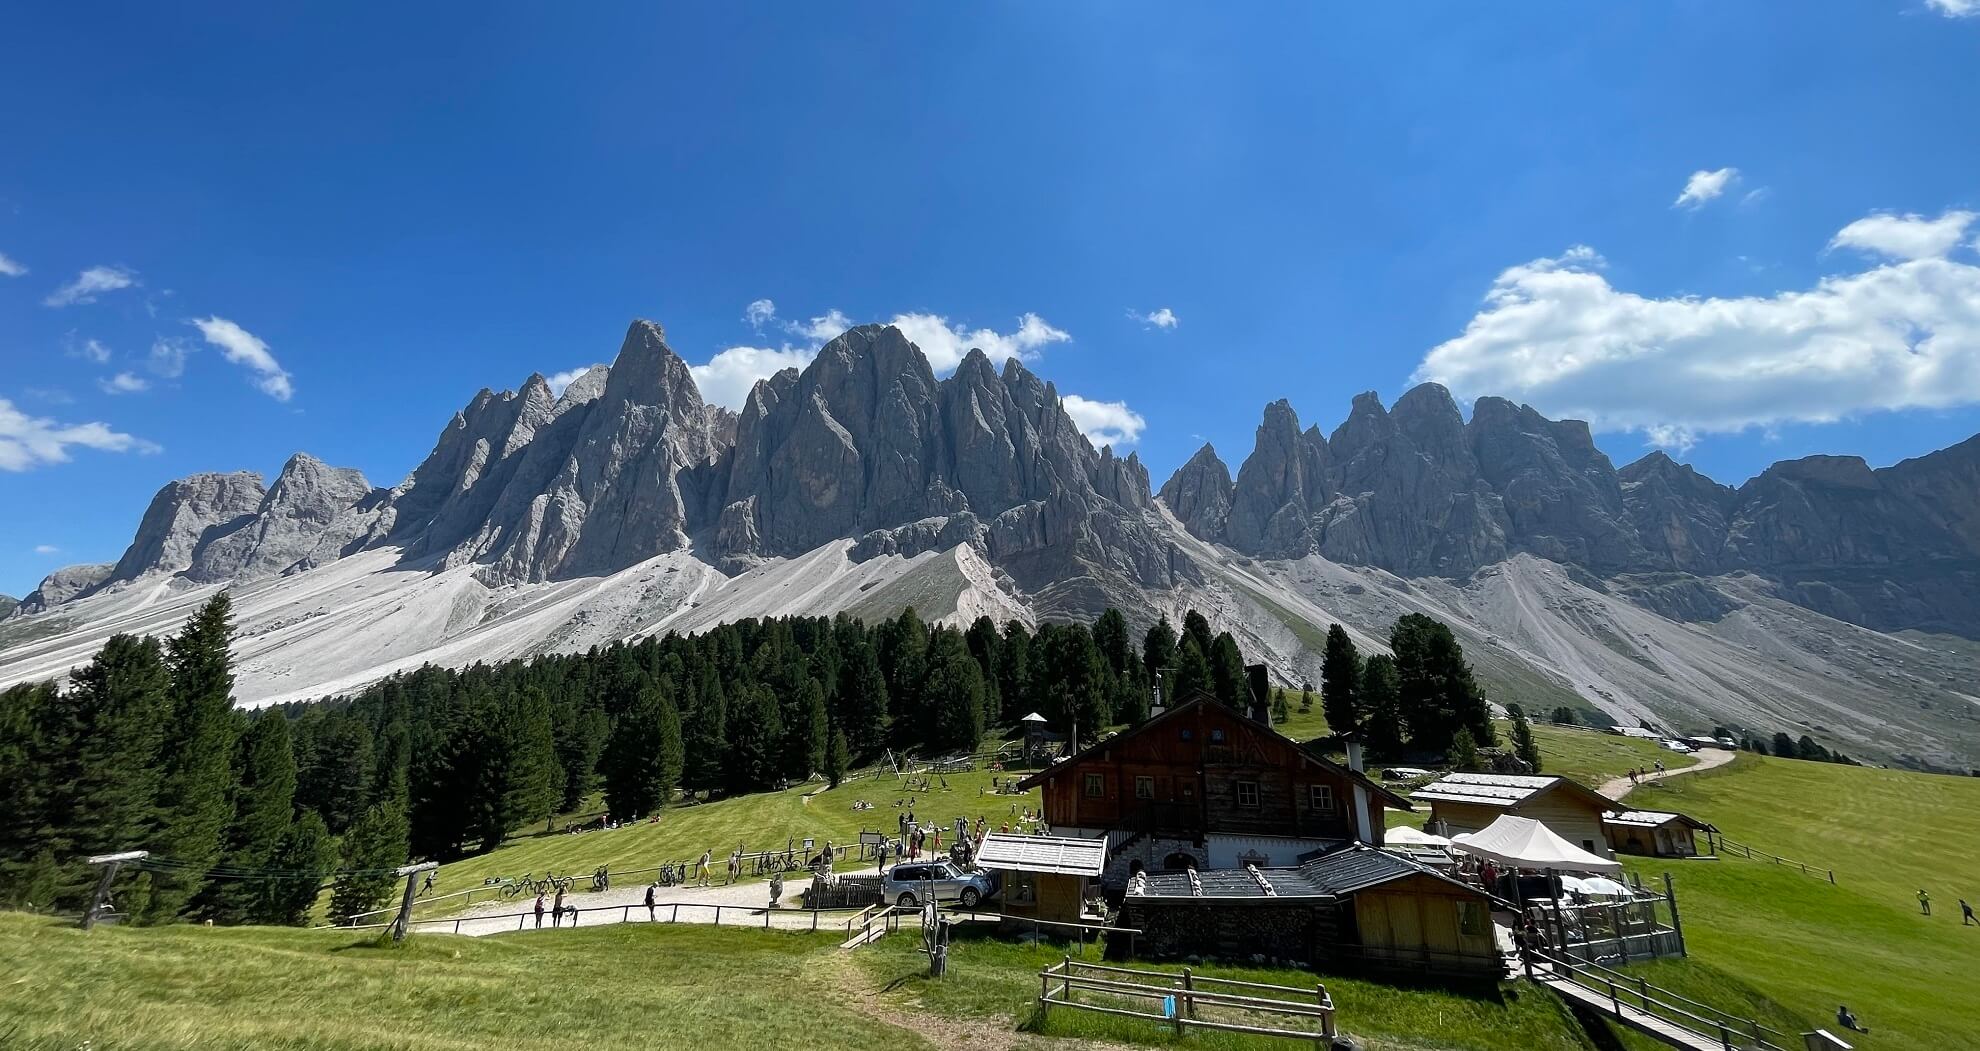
539, 910
649, 900
1966, 915
701, 867
557, 910
1924, 902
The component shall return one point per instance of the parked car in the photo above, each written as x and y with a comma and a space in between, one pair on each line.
907, 882
1678, 746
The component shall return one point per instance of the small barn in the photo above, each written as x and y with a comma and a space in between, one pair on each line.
1358, 906
1656, 833
1462, 803
1045, 878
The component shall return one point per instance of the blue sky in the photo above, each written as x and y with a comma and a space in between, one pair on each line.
225, 237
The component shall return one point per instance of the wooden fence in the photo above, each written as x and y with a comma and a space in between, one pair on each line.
1728, 848
1188, 1001
1625, 995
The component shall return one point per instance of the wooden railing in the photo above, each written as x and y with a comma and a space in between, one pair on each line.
1188, 1001
671, 909
1728, 848
1632, 993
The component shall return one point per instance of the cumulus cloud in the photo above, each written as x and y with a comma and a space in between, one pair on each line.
1955, 8
47, 549
124, 383
1556, 334
727, 378
27, 442
1105, 422
559, 381
759, 313
1159, 318
243, 348
1704, 186
91, 283
10, 268
1906, 236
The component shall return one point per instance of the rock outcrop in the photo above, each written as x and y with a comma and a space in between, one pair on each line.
287, 527
186, 515
1199, 494
65, 584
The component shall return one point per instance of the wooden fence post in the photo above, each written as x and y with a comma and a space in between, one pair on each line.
111, 863
404, 918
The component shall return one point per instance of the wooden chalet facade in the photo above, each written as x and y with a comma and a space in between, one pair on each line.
1466, 802
1203, 786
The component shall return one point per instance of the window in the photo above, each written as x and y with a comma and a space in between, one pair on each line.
1473, 920
1188, 734
1322, 797
907, 874
1217, 735
1096, 786
1247, 793
1144, 787
1024, 889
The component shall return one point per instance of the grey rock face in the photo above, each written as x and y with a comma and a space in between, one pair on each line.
7, 604
1199, 494
64, 584
1680, 515
184, 516
287, 526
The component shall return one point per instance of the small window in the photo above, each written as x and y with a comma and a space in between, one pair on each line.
1247, 793
1322, 797
1188, 734
1189, 790
1216, 735
1473, 920
1096, 786
1144, 787
1588, 845
1024, 891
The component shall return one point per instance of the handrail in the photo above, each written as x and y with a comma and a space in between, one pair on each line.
1180, 998
1719, 1024
1736, 849
626, 909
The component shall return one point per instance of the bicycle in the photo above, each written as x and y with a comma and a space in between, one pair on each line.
601, 880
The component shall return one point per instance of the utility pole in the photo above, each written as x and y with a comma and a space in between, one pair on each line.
411, 873
111, 863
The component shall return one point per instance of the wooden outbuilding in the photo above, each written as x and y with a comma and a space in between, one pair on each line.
1657, 833
1045, 878
1471, 802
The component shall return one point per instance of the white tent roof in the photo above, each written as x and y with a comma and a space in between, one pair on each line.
1404, 835
1529, 844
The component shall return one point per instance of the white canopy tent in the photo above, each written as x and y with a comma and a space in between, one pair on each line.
1406, 836
1525, 843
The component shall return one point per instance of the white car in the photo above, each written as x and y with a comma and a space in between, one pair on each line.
906, 883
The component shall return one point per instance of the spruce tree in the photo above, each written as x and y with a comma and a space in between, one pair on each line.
1192, 673
1228, 680
197, 753
1196, 628
1464, 750
955, 694
805, 732
580, 740
863, 700
705, 734
1158, 648
1340, 682
1076, 684
642, 760
903, 647
755, 732
103, 771
1381, 705
263, 794
838, 758
1523, 744
1306, 695
1281, 711
306, 856
1784, 747
1110, 637
374, 845
984, 644
1015, 692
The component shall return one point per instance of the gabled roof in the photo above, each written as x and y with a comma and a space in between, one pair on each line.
1653, 819
1196, 698
1049, 854
1506, 790
1339, 874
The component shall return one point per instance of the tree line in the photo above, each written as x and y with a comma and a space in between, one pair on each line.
1420, 698
248, 813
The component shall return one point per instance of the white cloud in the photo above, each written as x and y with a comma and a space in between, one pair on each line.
565, 378
1955, 8
1555, 333
168, 358
1704, 185
89, 350
1160, 318
760, 312
241, 347
821, 330
124, 383
1105, 422
945, 344
1906, 236
91, 283
727, 378
27, 441
9, 267
47, 549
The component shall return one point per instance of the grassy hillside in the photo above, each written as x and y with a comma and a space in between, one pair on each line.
1809, 945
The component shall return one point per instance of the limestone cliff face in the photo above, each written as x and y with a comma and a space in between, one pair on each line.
183, 516
64, 584
289, 523
1199, 494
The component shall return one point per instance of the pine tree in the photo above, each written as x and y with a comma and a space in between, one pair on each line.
1439, 694
805, 733
955, 690
1340, 681
1014, 688
310, 854
1192, 672
705, 734
1523, 744
863, 700
197, 753
1306, 695
374, 845
1784, 746
1131, 696
1076, 686
102, 742
580, 741
1110, 637
1196, 628
642, 759
1281, 711
1464, 750
336, 780
837, 758
1158, 648
755, 731
1381, 705
263, 794
1228, 680
984, 644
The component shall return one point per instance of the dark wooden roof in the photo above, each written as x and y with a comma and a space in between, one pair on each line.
1340, 874
1196, 698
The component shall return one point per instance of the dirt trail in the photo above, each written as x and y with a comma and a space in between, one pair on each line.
841, 974
1707, 759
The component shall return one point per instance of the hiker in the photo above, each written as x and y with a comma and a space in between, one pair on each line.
539, 910
1924, 902
1847, 1020
735, 863
1660, 767
427, 887
880, 856
557, 916
649, 900
701, 868
901, 820
1966, 914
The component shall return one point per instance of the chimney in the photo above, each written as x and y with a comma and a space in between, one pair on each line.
1261, 693
1354, 755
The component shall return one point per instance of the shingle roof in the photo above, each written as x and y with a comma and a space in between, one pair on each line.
1334, 875
1651, 819
1051, 854
1500, 790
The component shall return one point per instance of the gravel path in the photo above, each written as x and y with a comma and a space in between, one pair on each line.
741, 905
1707, 759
